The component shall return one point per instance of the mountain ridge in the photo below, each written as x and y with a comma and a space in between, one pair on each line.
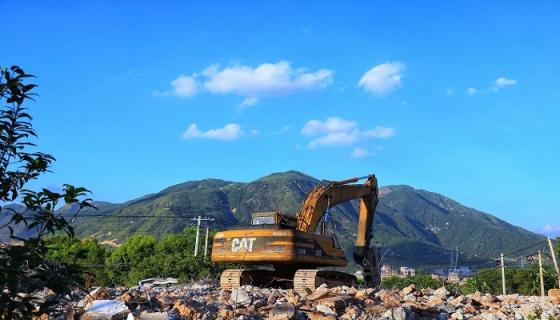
420, 227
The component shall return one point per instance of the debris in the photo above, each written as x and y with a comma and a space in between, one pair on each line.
106, 310
157, 282
284, 311
206, 301
240, 296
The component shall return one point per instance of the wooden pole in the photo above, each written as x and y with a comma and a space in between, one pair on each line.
503, 274
553, 254
206, 243
197, 236
541, 273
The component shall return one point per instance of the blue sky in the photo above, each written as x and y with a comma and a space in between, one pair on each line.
459, 98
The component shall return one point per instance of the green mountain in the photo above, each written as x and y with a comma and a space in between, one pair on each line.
420, 228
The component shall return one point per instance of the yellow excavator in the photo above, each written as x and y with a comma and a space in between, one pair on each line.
293, 248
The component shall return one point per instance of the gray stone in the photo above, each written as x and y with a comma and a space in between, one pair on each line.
442, 292
154, 316
399, 314
240, 296
326, 310
283, 311
106, 310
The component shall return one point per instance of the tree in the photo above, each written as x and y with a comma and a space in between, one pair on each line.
143, 256
87, 253
24, 266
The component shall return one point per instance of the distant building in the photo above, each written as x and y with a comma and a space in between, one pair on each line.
407, 272
387, 271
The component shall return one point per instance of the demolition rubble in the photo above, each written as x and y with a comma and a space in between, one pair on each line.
207, 301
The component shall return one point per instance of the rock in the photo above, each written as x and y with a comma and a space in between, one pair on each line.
292, 297
226, 313
319, 316
398, 314
183, 310
240, 296
364, 293
441, 292
408, 290
375, 309
100, 293
458, 300
435, 301
273, 297
154, 316
285, 311
106, 310
554, 295
458, 315
319, 293
389, 298
446, 308
325, 310
409, 298
338, 304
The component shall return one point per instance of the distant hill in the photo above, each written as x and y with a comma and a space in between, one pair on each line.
418, 226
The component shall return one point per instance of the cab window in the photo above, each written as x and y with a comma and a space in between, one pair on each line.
263, 220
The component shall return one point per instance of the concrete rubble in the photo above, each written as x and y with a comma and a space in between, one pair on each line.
204, 300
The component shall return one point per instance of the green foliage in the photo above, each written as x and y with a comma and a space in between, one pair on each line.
524, 281
25, 268
87, 253
143, 256
421, 281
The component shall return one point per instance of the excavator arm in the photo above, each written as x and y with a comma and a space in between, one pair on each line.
333, 193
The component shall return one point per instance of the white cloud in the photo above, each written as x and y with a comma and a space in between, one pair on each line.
265, 79
379, 132
383, 78
231, 131
332, 124
502, 82
252, 83
184, 86
471, 91
359, 153
248, 102
335, 131
335, 139
449, 91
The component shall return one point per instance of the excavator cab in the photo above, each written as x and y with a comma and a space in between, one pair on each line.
273, 217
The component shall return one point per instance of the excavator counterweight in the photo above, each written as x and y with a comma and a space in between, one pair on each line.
295, 248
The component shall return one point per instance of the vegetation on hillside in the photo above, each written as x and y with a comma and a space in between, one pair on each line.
421, 228
140, 257
524, 281
421, 281
25, 267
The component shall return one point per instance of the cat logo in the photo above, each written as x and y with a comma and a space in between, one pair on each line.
243, 243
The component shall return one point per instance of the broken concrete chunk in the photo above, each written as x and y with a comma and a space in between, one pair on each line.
240, 296
106, 310
285, 311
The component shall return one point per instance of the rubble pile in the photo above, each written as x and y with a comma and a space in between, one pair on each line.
206, 301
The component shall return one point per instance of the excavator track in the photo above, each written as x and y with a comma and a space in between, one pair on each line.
307, 280
231, 278
234, 278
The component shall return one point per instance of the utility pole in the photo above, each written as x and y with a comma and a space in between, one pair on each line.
198, 220
206, 242
502, 264
552, 253
541, 273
